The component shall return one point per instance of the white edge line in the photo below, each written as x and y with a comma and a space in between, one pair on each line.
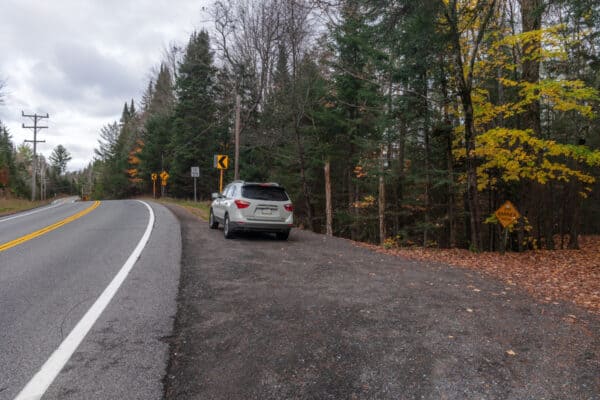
31, 212
37, 386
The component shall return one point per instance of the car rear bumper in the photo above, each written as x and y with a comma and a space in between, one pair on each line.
258, 227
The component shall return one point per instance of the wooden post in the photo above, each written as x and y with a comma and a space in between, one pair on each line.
328, 207
382, 233
236, 171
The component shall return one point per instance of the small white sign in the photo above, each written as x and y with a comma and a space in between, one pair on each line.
195, 172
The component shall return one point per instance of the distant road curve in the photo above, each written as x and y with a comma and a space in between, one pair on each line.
55, 203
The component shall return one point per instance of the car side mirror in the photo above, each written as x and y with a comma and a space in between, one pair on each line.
215, 195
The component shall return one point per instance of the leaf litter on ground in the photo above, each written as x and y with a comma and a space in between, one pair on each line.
549, 275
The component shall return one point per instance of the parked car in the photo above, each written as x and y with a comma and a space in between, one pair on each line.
251, 206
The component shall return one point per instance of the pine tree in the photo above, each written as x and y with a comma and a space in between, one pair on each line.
59, 158
163, 97
358, 101
194, 140
7, 163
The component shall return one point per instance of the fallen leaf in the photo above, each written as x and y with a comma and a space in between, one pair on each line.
511, 353
549, 275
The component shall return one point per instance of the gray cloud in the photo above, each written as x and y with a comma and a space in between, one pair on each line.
80, 60
84, 68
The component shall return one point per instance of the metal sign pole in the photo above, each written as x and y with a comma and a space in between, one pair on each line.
195, 199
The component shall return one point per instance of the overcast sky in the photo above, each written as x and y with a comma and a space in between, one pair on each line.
80, 60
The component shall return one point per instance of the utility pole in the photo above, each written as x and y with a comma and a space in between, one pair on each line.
42, 180
236, 170
35, 127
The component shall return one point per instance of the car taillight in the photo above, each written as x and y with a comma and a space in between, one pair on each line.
289, 207
242, 204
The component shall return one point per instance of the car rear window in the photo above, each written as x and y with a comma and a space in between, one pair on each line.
257, 192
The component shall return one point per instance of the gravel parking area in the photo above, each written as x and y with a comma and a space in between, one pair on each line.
319, 318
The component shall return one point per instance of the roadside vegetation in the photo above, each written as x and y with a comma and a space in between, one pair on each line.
199, 209
410, 121
11, 206
417, 119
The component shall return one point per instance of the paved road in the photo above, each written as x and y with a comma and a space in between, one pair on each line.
320, 318
48, 283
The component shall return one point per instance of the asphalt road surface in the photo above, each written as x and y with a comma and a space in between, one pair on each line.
320, 318
50, 281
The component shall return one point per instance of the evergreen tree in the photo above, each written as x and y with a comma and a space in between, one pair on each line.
111, 163
358, 102
163, 97
147, 97
7, 160
194, 140
59, 158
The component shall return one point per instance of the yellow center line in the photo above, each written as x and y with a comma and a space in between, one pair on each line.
49, 228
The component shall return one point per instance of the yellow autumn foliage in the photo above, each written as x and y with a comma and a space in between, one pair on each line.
516, 154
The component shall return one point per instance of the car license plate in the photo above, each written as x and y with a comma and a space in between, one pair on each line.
266, 211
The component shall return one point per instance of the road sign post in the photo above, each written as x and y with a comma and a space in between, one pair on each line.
154, 177
507, 215
195, 174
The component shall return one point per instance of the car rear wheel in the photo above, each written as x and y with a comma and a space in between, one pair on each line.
212, 221
282, 235
226, 228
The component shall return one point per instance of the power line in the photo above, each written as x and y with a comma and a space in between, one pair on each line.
36, 128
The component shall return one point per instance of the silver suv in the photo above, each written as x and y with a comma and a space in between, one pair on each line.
250, 206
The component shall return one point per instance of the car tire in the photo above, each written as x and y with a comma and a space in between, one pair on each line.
282, 235
212, 222
226, 228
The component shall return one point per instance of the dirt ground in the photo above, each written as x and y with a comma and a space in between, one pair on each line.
320, 318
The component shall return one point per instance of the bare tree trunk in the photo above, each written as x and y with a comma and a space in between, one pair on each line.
328, 206
449, 159
382, 233
575, 211
427, 160
236, 173
400, 171
305, 189
531, 17
464, 77
472, 194
295, 36
450, 167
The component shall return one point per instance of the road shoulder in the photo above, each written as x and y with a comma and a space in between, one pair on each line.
125, 355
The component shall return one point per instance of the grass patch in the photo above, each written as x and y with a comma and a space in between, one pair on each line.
199, 209
11, 206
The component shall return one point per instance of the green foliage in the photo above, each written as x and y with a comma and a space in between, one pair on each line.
381, 93
60, 157
195, 137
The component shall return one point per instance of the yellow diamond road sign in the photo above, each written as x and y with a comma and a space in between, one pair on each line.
507, 214
163, 177
154, 176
